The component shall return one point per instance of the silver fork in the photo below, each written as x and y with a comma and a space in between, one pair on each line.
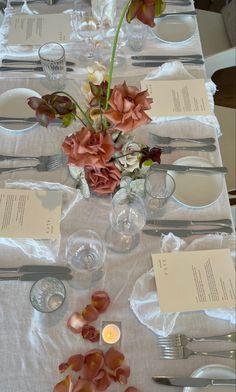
169, 149
183, 340
47, 164
183, 353
41, 158
168, 140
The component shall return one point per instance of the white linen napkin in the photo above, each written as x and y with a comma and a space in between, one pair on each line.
144, 299
175, 70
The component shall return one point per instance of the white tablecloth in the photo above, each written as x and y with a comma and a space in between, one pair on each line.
32, 344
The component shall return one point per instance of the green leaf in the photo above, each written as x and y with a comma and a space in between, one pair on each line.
159, 7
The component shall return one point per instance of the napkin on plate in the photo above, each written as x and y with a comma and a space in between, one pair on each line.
175, 70
144, 299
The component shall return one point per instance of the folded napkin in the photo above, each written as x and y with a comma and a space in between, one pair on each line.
175, 70
41, 249
144, 299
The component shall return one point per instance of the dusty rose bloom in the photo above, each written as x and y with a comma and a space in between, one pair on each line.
127, 106
103, 180
86, 148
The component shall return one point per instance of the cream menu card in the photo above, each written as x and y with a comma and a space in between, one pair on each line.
30, 213
177, 97
189, 281
38, 29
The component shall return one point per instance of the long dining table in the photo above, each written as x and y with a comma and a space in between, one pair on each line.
33, 344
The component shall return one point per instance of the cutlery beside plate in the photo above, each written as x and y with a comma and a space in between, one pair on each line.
193, 382
187, 232
29, 120
167, 57
35, 272
183, 223
170, 149
168, 140
158, 63
22, 61
28, 69
188, 168
34, 276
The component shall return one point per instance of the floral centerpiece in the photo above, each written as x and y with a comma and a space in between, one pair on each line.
103, 155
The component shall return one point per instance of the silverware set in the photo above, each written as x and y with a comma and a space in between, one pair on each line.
35, 272
167, 140
174, 346
45, 163
195, 382
170, 149
185, 228
157, 60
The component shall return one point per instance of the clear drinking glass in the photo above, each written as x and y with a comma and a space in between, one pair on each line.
85, 255
159, 186
47, 294
137, 34
127, 217
52, 58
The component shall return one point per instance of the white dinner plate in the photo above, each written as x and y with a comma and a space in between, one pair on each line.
174, 28
13, 103
212, 371
196, 189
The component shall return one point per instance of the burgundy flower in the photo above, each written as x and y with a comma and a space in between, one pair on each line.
145, 10
153, 154
87, 148
52, 106
103, 180
127, 106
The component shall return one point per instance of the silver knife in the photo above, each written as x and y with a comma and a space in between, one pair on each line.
37, 269
193, 382
184, 223
158, 63
187, 232
180, 168
177, 13
21, 61
167, 57
34, 276
28, 69
32, 120
169, 149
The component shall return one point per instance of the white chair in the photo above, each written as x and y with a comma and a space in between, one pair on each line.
212, 32
226, 117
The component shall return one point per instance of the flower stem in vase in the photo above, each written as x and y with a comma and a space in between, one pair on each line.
113, 54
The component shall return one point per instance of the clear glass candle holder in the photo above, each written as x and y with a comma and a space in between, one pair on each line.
110, 334
47, 294
85, 255
159, 186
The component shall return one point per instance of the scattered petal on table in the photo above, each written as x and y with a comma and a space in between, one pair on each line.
122, 374
76, 362
64, 386
84, 386
76, 322
100, 300
102, 380
93, 363
113, 358
90, 313
91, 333
131, 389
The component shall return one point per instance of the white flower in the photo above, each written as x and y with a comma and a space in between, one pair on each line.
128, 157
78, 174
96, 74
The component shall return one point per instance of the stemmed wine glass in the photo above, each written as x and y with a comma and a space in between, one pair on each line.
87, 30
127, 218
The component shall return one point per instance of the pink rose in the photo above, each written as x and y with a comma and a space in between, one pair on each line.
103, 180
87, 148
127, 105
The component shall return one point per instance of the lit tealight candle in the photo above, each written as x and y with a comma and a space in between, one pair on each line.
111, 334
